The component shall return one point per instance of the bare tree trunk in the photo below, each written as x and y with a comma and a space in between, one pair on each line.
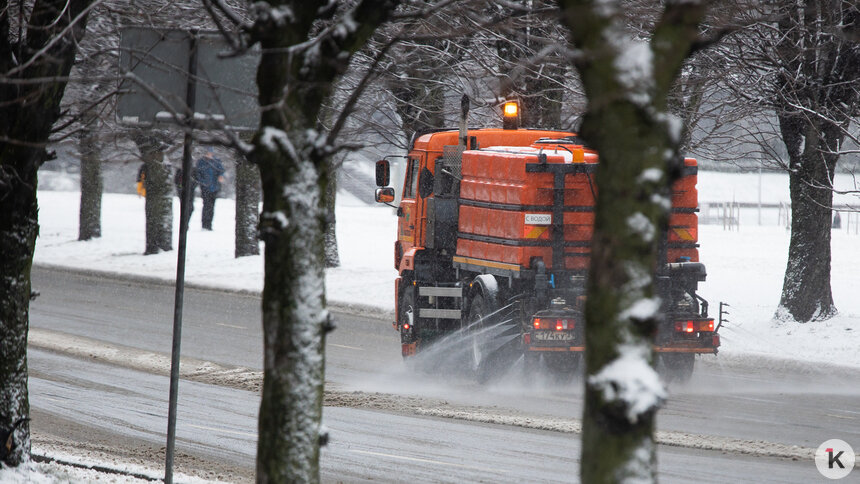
816, 97
542, 108
419, 102
18, 229
806, 292
159, 194
332, 258
27, 112
627, 83
247, 208
293, 319
540, 89
294, 158
90, 217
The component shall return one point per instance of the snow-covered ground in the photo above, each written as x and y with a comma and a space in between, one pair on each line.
745, 268
77, 469
745, 265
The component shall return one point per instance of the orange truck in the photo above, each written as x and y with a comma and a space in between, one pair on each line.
493, 247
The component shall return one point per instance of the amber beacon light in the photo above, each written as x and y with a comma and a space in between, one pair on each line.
511, 111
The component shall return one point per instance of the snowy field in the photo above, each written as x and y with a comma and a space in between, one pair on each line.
745, 269
745, 265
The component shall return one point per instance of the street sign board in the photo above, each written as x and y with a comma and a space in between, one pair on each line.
154, 67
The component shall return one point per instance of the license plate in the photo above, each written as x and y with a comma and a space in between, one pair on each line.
553, 335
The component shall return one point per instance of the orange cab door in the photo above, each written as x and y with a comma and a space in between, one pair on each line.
406, 226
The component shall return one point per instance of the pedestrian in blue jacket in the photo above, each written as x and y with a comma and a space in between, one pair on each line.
209, 174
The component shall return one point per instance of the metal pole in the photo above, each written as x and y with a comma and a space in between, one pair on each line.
184, 215
759, 195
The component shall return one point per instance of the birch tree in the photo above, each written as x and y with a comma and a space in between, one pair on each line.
627, 81
38, 41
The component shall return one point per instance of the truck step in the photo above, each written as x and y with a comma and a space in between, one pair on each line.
440, 291
439, 313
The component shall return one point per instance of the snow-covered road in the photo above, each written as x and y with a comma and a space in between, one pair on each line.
736, 408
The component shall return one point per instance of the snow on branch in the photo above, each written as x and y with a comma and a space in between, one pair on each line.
642, 309
277, 140
634, 64
278, 16
639, 224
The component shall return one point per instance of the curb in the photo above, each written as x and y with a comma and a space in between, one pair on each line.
357, 309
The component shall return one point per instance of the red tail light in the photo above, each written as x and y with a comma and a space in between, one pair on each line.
703, 326
558, 324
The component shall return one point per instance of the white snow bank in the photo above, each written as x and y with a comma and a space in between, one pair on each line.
71, 469
366, 242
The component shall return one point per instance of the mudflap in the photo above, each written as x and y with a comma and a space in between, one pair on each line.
409, 349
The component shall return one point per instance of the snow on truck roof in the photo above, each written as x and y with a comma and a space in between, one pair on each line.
488, 138
550, 151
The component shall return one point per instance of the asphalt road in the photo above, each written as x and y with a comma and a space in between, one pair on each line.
750, 409
366, 446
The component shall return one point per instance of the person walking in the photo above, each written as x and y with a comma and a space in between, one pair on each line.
208, 173
141, 181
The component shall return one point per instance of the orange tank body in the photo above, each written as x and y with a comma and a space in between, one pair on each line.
501, 205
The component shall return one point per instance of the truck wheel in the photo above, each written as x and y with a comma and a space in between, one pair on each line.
475, 351
677, 366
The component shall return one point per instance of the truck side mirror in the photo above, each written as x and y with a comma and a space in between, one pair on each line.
383, 174
385, 195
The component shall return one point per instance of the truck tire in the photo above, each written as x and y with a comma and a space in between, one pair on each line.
476, 324
489, 357
677, 367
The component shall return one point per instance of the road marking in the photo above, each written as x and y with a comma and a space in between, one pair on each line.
752, 399
426, 461
230, 326
347, 347
246, 434
840, 416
